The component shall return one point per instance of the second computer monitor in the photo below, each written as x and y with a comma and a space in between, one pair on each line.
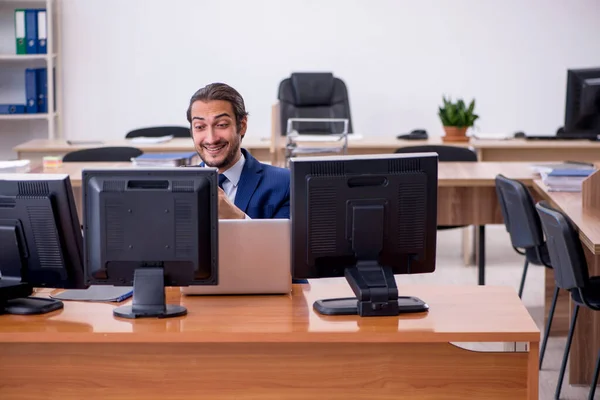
366, 218
151, 228
582, 108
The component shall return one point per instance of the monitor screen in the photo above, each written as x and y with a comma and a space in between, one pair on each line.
40, 240
582, 108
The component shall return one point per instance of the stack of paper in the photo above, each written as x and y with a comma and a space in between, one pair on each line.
166, 159
566, 180
16, 166
151, 140
549, 167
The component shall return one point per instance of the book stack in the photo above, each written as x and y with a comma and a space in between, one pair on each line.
166, 159
566, 180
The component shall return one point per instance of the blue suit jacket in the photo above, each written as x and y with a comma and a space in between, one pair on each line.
263, 191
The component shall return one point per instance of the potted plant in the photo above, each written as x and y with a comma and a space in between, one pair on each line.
456, 119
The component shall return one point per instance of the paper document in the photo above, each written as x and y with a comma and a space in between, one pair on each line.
151, 140
16, 166
97, 293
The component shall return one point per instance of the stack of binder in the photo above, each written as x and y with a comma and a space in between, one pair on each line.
31, 34
36, 94
31, 31
166, 159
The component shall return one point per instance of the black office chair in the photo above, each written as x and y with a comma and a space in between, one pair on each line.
445, 154
570, 273
525, 229
103, 154
314, 95
158, 131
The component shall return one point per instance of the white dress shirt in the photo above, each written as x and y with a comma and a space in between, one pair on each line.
233, 176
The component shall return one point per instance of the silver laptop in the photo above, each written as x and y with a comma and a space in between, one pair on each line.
254, 258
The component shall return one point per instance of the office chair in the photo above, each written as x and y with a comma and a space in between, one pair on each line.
314, 95
103, 154
570, 273
523, 224
158, 131
445, 154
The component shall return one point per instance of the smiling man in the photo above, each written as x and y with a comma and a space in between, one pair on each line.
247, 187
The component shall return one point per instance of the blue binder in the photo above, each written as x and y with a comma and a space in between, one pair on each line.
42, 31
31, 93
31, 32
12, 109
42, 89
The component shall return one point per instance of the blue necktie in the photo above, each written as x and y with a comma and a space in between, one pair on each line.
222, 178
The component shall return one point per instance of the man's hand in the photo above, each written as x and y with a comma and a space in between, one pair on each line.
228, 210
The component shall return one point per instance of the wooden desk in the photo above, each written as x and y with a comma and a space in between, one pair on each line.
36, 149
586, 339
264, 150
275, 347
536, 150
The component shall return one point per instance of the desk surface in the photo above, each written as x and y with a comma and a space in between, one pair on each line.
586, 221
457, 314
449, 173
257, 142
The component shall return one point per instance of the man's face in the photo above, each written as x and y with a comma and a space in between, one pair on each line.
215, 135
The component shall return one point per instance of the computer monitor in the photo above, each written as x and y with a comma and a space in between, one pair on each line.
582, 109
366, 218
40, 241
150, 228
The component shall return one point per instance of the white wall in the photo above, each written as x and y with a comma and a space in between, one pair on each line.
133, 63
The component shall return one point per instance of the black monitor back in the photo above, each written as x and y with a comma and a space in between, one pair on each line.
157, 217
40, 236
326, 190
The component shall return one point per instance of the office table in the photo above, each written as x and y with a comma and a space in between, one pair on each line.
586, 339
275, 347
269, 150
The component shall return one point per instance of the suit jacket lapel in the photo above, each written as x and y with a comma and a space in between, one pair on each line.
249, 180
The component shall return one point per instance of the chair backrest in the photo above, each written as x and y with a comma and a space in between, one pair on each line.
521, 220
564, 248
445, 153
314, 95
158, 131
103, 154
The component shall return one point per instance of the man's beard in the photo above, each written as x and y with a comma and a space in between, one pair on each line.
233, 150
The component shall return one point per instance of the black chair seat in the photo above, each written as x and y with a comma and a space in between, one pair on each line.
532, 255
591, 291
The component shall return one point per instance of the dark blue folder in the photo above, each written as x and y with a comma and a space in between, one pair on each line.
42, 89
31, 92
31, 32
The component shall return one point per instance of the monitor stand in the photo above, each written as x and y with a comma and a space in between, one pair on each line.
374, 285
376, 295
149, 297
13, 292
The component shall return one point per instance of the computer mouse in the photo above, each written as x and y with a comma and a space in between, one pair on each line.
519, 134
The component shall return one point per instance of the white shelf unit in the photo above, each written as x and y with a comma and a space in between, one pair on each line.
13, 90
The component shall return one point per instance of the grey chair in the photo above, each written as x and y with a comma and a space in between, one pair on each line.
523, 225
103, 154
570, 273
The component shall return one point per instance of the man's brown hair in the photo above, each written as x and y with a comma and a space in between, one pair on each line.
221, 91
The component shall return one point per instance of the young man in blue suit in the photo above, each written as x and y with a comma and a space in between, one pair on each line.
247, 188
